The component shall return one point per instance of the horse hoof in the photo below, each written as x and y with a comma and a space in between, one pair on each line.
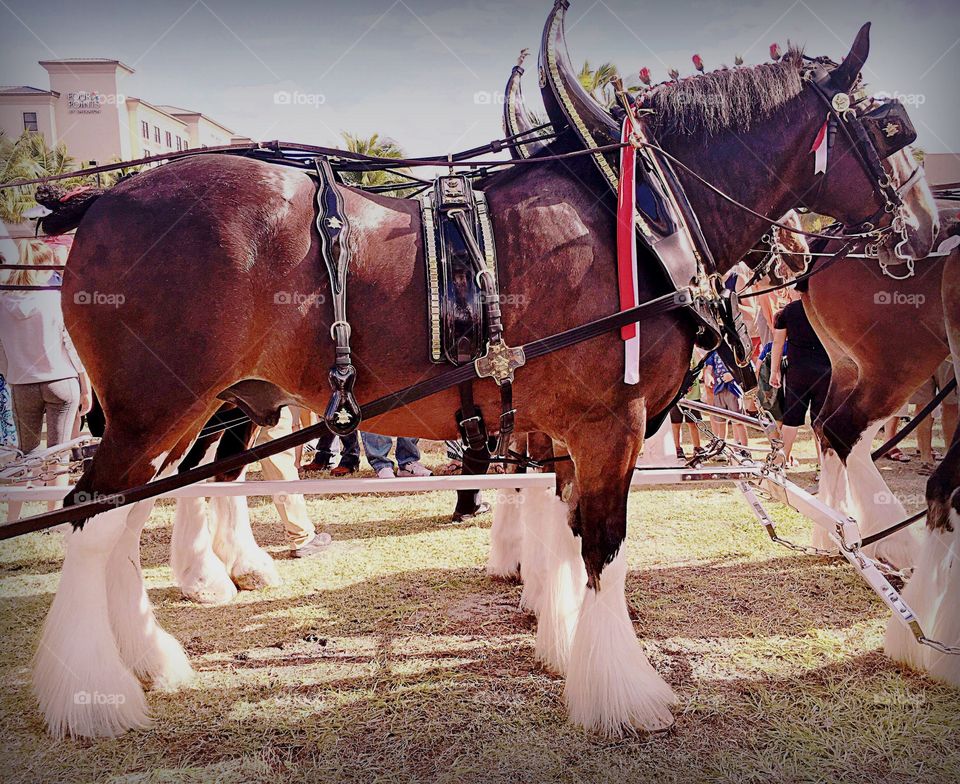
256, 577
210, 593
168, 669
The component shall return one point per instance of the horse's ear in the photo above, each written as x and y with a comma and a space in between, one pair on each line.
846, 73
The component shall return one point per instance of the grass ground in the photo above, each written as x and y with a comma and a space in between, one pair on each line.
393, 658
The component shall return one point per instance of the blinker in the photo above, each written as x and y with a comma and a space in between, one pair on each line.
889, 128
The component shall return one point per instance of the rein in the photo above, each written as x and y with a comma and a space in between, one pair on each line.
443, 381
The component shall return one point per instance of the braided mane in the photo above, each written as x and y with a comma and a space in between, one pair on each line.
727, 99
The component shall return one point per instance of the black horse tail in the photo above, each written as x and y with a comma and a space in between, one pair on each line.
67, 207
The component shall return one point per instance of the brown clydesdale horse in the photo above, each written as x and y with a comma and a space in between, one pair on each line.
217, 261
869, 324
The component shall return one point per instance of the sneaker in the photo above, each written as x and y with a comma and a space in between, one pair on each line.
317, 545
459, 517
386, 473
416, 468
680, 454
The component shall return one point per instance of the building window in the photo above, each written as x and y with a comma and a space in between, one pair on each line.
185, 145
147, 153
30, 121
169, 139
156, 134
145, 129
179, 143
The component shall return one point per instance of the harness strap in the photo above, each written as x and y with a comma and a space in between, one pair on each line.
342, 414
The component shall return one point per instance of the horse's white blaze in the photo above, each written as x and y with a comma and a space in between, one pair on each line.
506, 534
611, 686
874, 506
151, 653
250, 566
562, 586
197, 571
81, 682
934, 594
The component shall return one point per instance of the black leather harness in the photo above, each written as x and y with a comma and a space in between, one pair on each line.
342, 414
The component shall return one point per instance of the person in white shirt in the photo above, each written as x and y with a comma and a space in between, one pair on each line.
46, 377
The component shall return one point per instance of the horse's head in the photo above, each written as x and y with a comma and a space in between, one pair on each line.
791, 248
919, 213
777, 136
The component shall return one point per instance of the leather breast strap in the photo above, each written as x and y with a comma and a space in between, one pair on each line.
342, 414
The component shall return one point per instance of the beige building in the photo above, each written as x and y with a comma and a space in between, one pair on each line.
87, 108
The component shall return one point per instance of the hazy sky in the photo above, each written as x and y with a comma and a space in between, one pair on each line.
430, 74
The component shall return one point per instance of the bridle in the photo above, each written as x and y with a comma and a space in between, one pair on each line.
842, 115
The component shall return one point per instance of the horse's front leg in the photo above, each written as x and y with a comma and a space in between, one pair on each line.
611, 686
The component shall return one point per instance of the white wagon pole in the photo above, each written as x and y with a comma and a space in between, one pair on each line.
317, 487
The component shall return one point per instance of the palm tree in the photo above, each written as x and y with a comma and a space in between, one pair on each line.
27, 158
599, 82
377, 147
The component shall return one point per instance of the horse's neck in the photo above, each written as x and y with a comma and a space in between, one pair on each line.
733, 164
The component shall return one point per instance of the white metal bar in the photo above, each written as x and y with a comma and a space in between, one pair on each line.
316, 487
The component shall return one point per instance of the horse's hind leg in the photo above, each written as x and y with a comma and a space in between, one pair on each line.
84, 685
611, 686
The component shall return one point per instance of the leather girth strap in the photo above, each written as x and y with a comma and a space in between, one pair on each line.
342, 414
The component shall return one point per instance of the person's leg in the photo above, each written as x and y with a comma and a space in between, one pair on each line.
949, 422
377, 449
323, 453
349, 453
925, 438
794, 409
282, 466
61, 401
789, 434
676, 423
407, 451
28, 420
694, 435
28, 409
